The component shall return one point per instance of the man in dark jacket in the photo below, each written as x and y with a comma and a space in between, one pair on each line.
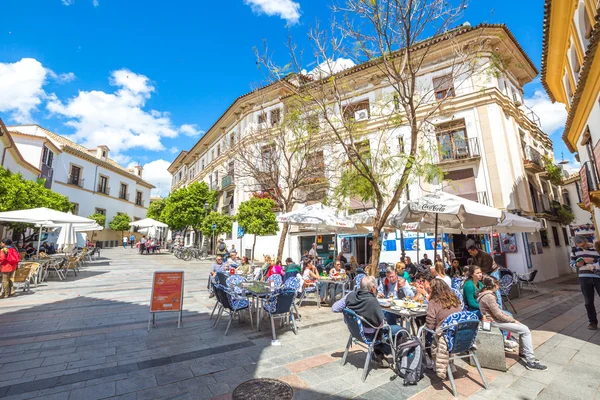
482, 260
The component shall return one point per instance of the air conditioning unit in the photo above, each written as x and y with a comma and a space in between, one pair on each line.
361, 115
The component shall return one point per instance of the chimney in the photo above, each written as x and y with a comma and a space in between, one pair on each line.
102, 152
137, 170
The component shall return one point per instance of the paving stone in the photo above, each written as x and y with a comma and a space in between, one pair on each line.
135, 384
177, 374
157, 392
219, 388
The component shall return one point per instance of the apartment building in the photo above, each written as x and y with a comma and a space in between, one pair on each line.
489, 145
91, 180
12, 159
571, 75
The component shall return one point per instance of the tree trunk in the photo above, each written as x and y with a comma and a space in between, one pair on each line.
195, 237
375, 252
253, 246
284, 231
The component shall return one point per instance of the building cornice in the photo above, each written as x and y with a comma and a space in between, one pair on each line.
14, 151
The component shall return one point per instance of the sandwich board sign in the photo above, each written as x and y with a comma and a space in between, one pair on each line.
167, 295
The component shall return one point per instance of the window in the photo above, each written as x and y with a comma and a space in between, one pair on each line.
565, 235
275, 116
268, 157
452, 141
212, 155
231, 169
123, 192
232, 139
75, 208
312, 123
218, 150
357, 111
47, 157
202, 165
401, 144
461, 182
103, 185
544, 236
262, 118
556, 237
100, 211
316, 167
75, 176
103, 153
138, 198
443, 87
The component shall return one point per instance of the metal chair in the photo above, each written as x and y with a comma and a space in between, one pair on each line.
311, 288
506, 283
276, 279
460, 297
279, 305
460, 331
355, 323
232, 304
528, 279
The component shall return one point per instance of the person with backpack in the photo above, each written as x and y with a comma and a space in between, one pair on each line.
9, 261
221, 248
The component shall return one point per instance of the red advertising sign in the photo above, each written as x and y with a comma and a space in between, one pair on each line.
167, 291
584, 185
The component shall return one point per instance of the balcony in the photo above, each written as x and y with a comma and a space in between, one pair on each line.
227, 210
226, 181
533, 159
124, 196
103, 189
76, 181
482, 198
139, 202
47, 173
457, 150
533, 117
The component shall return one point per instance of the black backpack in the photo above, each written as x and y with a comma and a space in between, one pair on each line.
409, 358
222, 246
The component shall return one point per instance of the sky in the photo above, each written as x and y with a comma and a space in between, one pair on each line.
147, 78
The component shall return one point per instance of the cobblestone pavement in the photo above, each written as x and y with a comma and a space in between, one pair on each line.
86, 338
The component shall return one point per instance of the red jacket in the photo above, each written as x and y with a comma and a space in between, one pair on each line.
5, 265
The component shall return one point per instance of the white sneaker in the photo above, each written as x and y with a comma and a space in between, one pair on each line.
511, 344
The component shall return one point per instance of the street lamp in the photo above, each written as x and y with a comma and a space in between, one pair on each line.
204, 238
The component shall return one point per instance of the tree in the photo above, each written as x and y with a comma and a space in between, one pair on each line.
222, 224
120, 223
99, 218
285, 162
155, 209
185, 207
257, 218
380, 147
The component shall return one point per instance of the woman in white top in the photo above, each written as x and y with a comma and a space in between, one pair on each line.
439, 272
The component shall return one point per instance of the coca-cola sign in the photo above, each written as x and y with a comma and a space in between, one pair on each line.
436, 208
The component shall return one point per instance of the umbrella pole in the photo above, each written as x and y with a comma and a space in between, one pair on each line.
418, 245
365, 249
39, 242
435, 240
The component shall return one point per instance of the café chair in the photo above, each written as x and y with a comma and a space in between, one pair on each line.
528, 279
460, 331
276, 279
279, 305
354, 323
231, 303
506, 283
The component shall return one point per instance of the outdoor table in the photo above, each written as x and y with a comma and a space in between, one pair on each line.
258, 290
332, 285
407, 315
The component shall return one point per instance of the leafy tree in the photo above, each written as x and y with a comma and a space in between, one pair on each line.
185, 207
99, 218
257, 218
120, 223
155, 209
223, 224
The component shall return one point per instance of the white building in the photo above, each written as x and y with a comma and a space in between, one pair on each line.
92, 181
489, 145
12, 159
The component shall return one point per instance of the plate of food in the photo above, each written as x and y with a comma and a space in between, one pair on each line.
384, 302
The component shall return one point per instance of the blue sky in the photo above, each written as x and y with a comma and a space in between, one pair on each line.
147, 77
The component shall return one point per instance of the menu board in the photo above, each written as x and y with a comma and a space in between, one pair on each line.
167, 291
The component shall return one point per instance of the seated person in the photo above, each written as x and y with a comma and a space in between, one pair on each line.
218, 266
233, 260
275, 269
488, 304
455, 270
290, 266
364, 303
402, 272
394, 286
245, 268
426, 260
329, 263
442, 303
337, 272
29, 249
471, 287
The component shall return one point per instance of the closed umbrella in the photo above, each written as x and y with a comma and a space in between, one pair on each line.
66, 238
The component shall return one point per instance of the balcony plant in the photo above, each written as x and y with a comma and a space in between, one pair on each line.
565, 216
555, 174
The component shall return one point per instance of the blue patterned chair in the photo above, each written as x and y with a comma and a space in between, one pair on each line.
231, 303
234, 283
355, 323
279, 305
310, 289
460, 297
460, 331
277, 279
506, 283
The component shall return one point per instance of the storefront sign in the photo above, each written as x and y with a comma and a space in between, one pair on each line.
167, 294
584, 185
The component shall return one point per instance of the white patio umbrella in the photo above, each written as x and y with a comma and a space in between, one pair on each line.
150, 223
449, 211
318, 216
66, 238
43, 217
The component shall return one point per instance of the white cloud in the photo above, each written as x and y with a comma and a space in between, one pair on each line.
95, 3
71, 2
67, 77
286, 9
173, 150
552, 115
21, 88
156, 173
190, 130
116, 119
330, 67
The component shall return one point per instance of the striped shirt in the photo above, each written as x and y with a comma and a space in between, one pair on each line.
580, 252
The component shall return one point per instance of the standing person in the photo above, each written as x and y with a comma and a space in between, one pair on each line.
143, 242
131, 240
584, 259
410, 267
232, 250
313, 251
221, 248
487, 265
471, 287
426, 260
448, 254
9, 261
489, 307
353, 264
125, 240
342, 258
